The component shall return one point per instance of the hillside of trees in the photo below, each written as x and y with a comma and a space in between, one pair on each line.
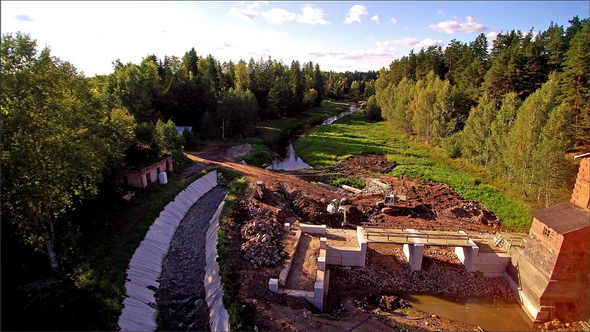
519, 110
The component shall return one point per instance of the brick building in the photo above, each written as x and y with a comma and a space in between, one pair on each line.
551, 274
141, 175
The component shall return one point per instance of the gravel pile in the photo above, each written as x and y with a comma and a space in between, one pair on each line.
262, 235
240, 150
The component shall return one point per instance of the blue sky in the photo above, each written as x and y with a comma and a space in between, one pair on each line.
339, 35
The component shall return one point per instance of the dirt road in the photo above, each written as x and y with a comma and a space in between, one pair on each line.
256, 244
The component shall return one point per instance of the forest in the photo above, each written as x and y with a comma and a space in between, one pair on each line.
519, 111
518, 108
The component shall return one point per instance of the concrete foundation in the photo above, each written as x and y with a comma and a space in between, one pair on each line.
414, 254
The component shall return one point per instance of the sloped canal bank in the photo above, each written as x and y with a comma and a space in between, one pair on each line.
181, 303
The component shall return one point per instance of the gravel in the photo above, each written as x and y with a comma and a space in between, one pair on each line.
181, 302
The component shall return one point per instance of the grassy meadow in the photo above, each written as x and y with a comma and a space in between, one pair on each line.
323, 146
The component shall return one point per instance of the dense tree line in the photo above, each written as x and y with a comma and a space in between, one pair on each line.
67, 138
211, 96
515, 110
355, 85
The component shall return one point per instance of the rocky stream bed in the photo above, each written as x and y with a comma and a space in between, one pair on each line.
181, 302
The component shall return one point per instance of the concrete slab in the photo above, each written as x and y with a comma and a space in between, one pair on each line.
141, 293
273, 285
141, 279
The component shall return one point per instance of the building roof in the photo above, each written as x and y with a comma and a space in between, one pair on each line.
140, 167
564, 217
182, 128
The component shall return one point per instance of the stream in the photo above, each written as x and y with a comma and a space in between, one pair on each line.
489, 314
286, 158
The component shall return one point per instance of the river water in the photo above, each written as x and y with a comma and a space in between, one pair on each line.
489, 314
286, 159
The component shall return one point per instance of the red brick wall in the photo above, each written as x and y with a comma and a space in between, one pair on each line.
573, 256
581, 193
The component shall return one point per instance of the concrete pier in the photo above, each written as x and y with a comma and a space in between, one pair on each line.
414, 254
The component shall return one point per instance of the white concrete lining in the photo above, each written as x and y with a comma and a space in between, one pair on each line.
145, 267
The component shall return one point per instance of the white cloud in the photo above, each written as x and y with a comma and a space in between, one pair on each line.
312, 15
24, 17
393, 20
451, 26
278, 16
491, 36
414, 42
375, 18
372, 58
440, 12
256, 4
246, 14
354, 14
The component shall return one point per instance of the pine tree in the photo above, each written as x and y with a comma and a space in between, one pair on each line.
577, 83
554, 168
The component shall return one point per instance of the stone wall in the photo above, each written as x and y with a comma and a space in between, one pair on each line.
541, 251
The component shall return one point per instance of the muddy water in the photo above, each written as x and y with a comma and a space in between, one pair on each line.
489, 314
286, 159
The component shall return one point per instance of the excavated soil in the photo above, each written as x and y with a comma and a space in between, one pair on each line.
258, 247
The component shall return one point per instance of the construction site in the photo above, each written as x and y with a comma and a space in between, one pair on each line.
309, 256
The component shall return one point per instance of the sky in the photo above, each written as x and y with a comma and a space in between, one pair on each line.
338, 35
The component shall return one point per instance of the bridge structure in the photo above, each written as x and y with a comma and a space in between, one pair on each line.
414, 242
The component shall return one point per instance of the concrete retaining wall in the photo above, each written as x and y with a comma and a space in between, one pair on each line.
145, 268
312, 229
351, 256
491, 264
218, 316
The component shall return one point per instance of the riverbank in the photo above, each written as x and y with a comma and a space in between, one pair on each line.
324, 146
270, 134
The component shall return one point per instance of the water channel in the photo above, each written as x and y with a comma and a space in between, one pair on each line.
285, 157
489, 314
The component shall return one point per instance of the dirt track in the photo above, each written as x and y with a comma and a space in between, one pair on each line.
256, 243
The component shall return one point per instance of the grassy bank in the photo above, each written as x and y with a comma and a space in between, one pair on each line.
271, 131
326, 145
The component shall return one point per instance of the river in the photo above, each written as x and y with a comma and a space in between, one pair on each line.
286, 158
489, 314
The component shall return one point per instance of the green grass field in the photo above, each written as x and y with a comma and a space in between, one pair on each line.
323, 146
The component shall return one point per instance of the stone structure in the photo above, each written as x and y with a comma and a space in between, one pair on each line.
551, 274
141, 175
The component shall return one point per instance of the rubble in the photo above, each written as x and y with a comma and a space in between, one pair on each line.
262, 235
442, 273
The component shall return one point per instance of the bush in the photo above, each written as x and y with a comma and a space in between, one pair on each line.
181, 159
